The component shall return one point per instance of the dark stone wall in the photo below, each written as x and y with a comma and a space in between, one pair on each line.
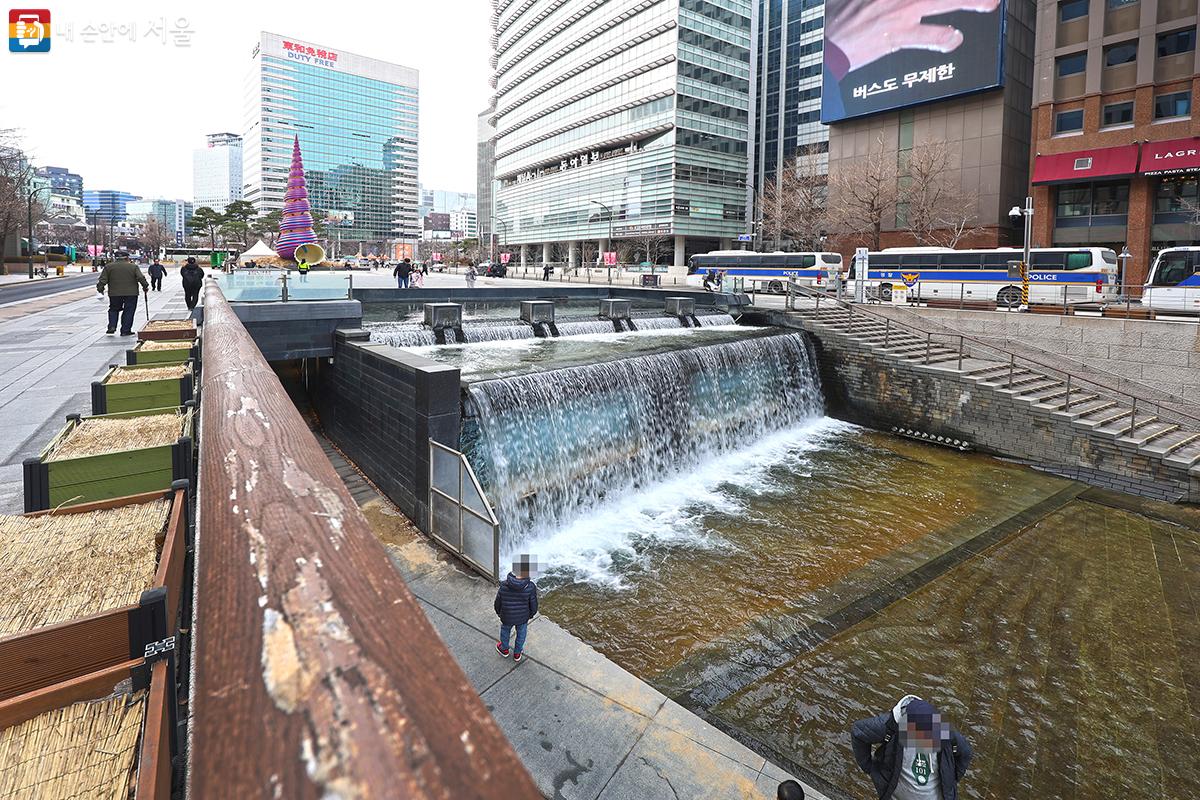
381, 405
880, 392
285, 331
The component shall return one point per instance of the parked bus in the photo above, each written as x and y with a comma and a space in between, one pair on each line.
1056, 274
769, 271
1174, 281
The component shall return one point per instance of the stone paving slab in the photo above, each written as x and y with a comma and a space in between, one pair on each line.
585, 728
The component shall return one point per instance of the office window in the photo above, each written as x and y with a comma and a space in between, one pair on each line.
1068, 121
1175, 194
1072, 64
1074, 201
1072, 9
1115, 4
1176, 104
1117, 114
1176, 42
1110, 198
1118, 54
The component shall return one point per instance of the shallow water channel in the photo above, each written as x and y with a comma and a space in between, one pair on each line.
784, 573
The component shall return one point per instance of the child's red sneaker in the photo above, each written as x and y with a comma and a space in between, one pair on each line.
518, 658
500, 649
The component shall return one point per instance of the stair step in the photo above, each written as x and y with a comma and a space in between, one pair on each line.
1091, 407
1110, 415
992, 367
1049, 389
1146, 434
1058, 401
1185, 456
1126, 425
1172, 442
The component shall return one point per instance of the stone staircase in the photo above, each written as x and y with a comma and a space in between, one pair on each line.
1091, 411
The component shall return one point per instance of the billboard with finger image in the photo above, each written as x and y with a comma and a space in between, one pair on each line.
887, 54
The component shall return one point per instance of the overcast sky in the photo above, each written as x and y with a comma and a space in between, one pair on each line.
141, 107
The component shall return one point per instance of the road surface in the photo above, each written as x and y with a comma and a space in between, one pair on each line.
14, 292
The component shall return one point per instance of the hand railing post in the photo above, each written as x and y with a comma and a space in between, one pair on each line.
1133, 417
284, 294
1067, 403
928, 337
1012, 357
887, 333
960, 352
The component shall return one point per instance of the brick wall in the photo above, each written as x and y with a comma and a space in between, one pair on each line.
882, 392
381, 405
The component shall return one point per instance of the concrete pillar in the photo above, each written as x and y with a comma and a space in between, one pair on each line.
524, 255
601, 249
573, 255
545, 252
680, 252
725, 244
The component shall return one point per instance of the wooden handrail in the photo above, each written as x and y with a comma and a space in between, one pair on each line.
316, 673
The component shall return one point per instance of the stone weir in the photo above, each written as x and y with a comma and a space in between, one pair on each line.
888, 376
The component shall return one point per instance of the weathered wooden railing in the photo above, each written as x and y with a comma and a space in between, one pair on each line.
315, 671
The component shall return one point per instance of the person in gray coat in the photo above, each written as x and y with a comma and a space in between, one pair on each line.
910, 753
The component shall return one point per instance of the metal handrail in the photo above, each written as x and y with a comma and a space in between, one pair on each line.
794, 289
464, 468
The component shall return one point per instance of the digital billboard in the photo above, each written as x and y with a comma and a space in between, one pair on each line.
886, 54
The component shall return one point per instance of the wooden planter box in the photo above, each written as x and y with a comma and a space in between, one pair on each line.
139, 356
88, 479
142, 395
148, 333
157, 742
35, 659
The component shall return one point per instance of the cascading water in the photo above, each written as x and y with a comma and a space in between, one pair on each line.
549, 445
400, 334
585, 327
483, 332
415, 334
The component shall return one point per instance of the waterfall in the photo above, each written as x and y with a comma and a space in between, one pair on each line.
585, 326
548, 445
400, 334
492, 332
708, 320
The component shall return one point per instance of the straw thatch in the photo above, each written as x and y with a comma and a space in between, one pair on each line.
167, 344
126, 375
96, 435
169, 325
84, 750
60, 567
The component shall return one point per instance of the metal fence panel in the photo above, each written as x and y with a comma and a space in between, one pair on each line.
460, 516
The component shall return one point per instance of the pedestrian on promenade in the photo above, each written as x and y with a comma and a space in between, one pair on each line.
910, 753
789, 790
302, 267
516, 604
157, 271
121, 277
546, 270
402, 272
193, 280
471, 275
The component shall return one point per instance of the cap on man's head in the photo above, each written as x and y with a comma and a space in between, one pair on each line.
122, 254
790, 790
921, 714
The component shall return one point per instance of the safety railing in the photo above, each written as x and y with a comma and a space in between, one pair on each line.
460, 516
1140, 400
262, 285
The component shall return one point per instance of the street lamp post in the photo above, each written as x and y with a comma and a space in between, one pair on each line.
29, 221
608, 211
1122, 278
1027, 212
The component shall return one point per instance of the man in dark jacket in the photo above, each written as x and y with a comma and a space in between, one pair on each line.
193, 280
157, 271
121, 277
918, 756
516, 604
402, 272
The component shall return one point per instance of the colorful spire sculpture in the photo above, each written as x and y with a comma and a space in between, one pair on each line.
297, 225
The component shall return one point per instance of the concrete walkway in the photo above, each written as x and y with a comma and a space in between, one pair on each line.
585, 728
51, 349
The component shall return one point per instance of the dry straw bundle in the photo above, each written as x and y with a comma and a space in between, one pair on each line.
169, 325
61, 567
167, 344
124, 375
85, 750
97, 435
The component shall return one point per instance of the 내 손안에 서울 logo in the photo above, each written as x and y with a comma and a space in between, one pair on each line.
29, 30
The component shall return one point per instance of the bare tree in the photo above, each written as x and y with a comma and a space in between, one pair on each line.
863, 192
936, 211
588, 252
16, 186
794, 203
645, 247
155, 235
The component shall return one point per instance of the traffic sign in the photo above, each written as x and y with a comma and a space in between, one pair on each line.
745, 237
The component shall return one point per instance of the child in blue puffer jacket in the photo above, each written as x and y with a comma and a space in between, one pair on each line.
516, 604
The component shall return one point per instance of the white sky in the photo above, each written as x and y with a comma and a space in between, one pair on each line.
127, 114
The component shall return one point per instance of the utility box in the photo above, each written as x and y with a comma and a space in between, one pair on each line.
651, 281
443, 315
615, 309
536, 312
681, 307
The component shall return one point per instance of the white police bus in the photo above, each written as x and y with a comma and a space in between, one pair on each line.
1174, 281
1056, 274
767, 271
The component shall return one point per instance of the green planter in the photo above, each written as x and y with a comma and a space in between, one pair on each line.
141, 395
50, 482
139, 356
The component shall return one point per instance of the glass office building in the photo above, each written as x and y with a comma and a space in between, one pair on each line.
107, 205
788, 47
629, 118
356, 118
